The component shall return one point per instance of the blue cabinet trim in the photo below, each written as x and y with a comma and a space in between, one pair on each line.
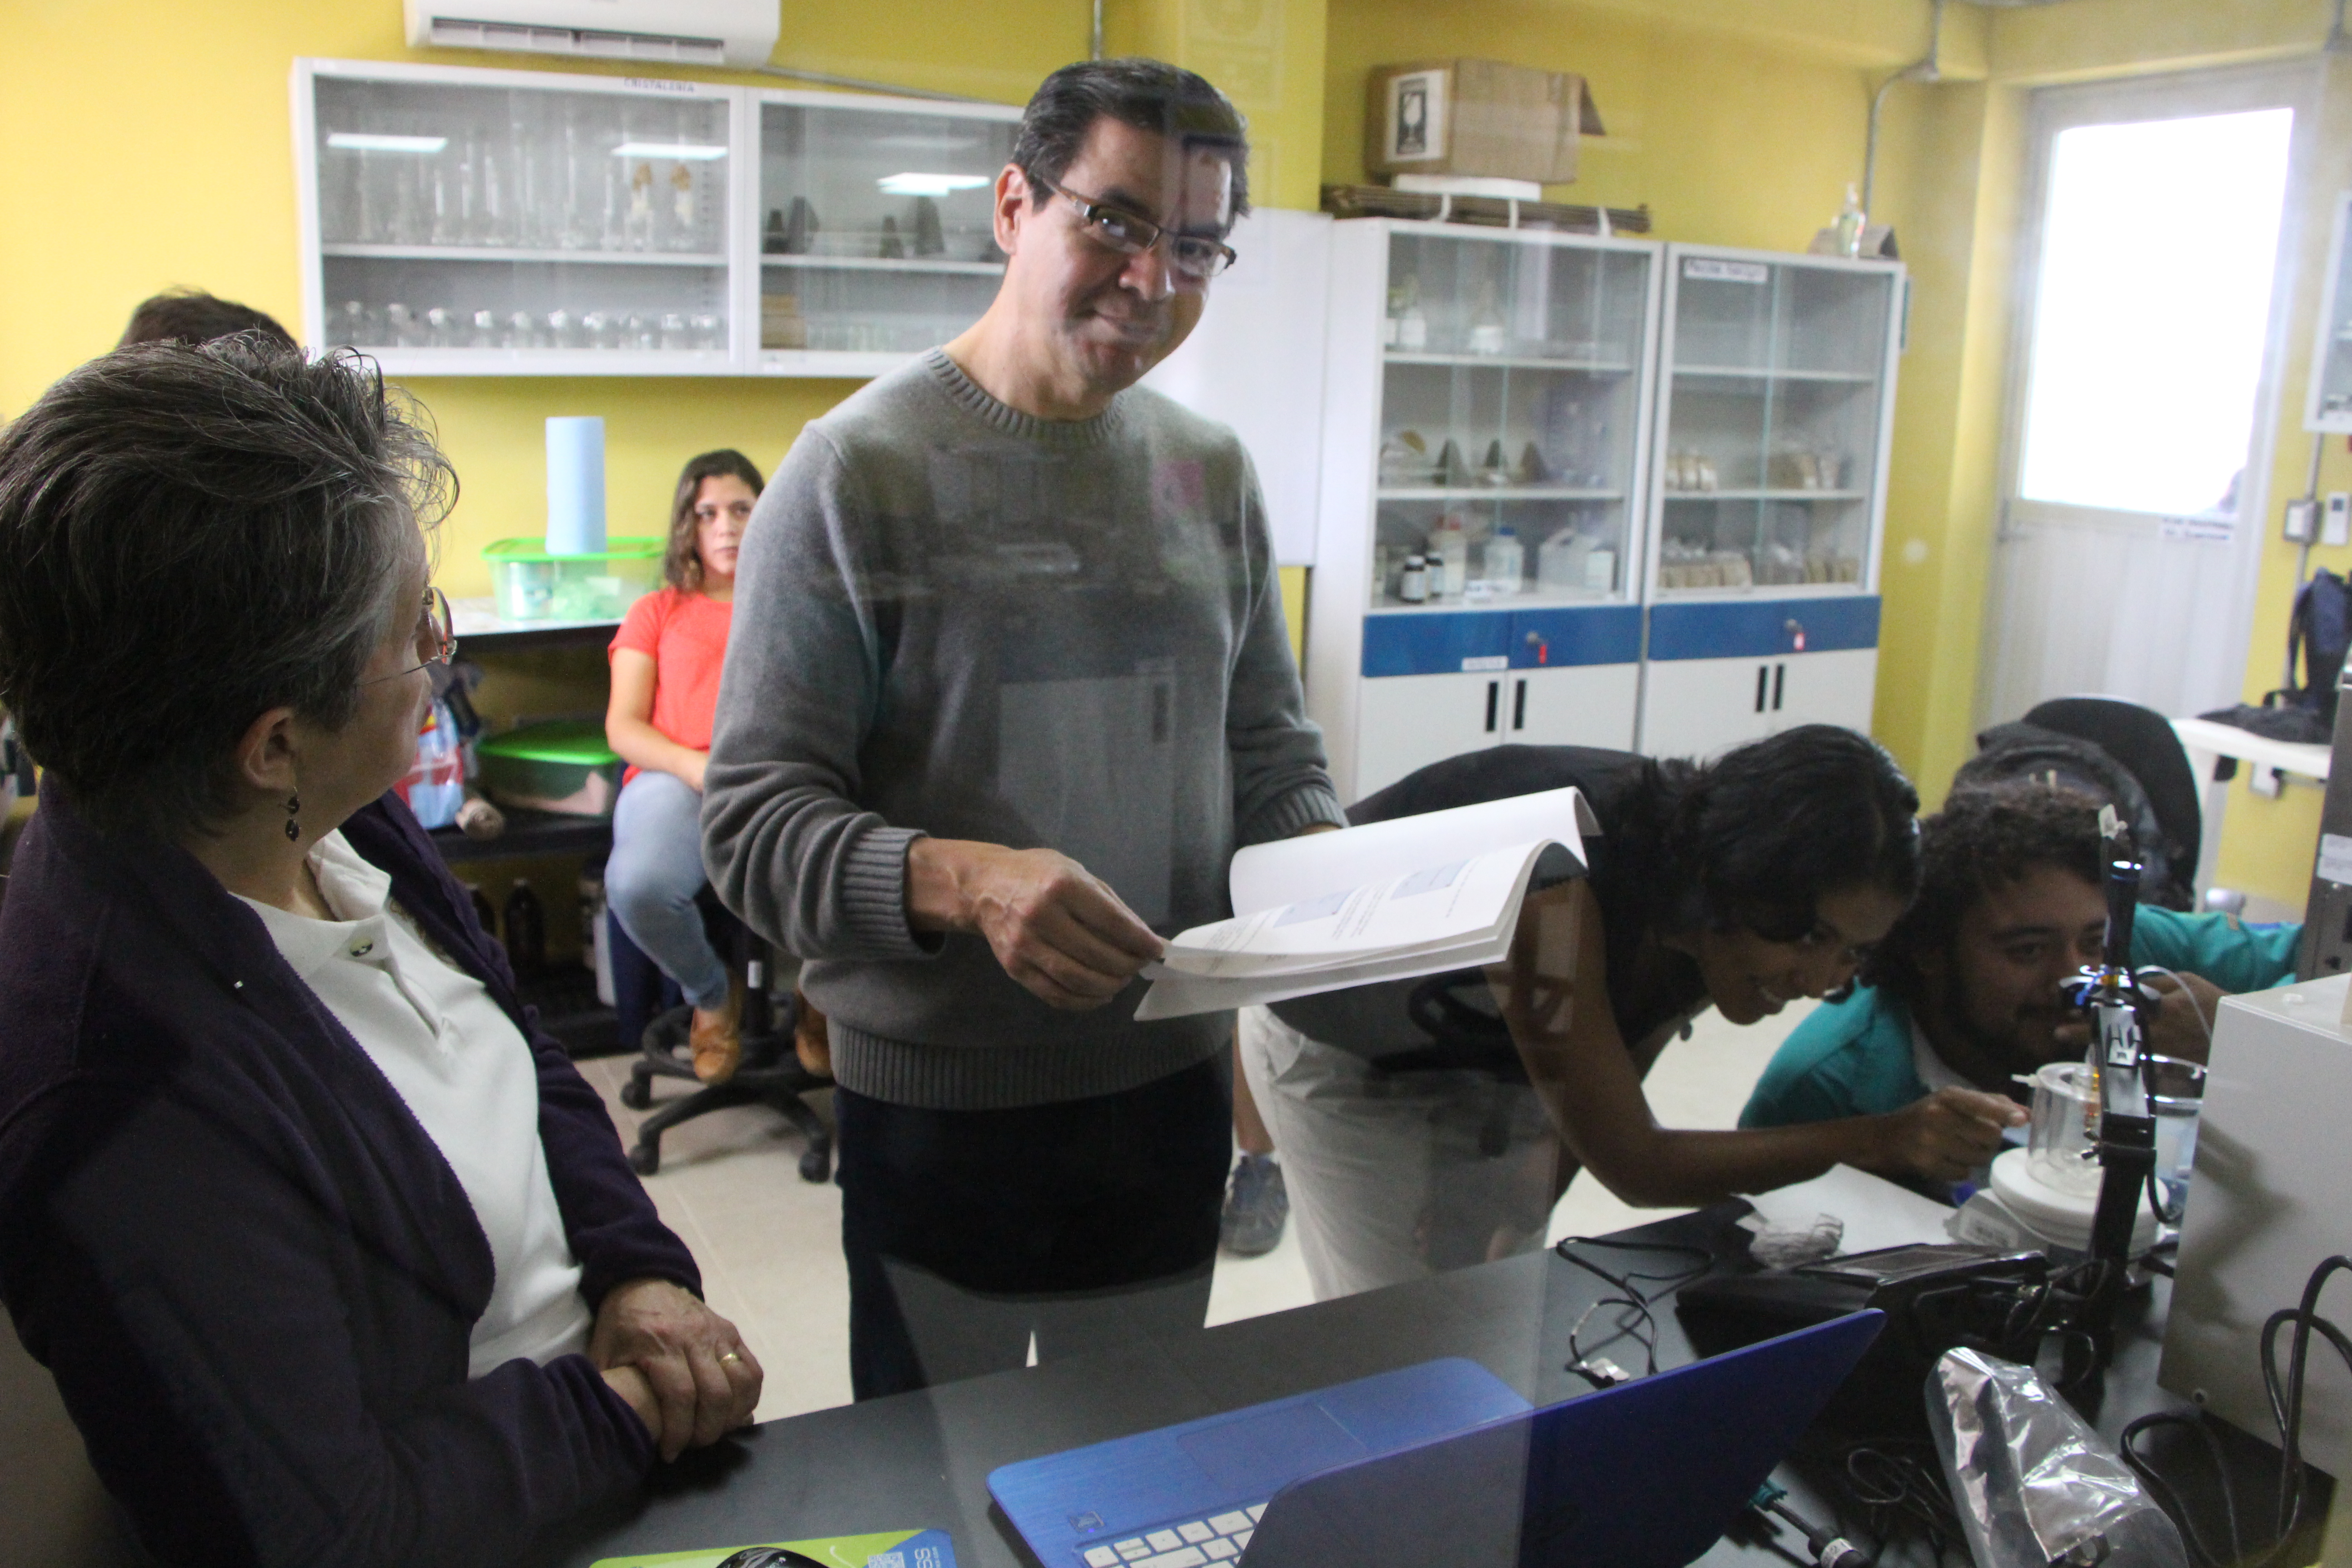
1447, 644
1610, 634
1764, 629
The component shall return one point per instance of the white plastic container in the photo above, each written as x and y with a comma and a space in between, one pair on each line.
1505, 562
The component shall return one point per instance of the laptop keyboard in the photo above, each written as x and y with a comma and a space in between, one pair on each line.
1216, 1539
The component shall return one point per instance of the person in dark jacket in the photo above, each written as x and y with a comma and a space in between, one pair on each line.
333, 1256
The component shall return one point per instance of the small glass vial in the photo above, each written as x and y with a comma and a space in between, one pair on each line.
1413, 587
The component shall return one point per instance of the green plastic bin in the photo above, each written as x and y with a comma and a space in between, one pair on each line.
564, 766
533, 585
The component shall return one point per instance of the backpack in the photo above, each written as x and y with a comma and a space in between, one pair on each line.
2318, 633
2022, 751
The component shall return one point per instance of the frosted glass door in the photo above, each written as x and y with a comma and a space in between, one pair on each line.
1775, 392
1510, 418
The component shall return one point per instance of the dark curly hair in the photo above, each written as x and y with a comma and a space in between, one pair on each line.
1756, 836
1987, 836
682, 561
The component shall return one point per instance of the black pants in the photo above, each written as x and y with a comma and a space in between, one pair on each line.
1088, 1223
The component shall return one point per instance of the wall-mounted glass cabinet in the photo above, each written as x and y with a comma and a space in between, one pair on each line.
1777, 396
875, 236
467, 222
457, 221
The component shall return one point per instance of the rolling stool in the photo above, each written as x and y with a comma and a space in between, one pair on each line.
771, 1074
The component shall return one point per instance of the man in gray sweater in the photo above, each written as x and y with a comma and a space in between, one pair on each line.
1008, 685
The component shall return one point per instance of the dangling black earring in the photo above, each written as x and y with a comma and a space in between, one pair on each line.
293, 805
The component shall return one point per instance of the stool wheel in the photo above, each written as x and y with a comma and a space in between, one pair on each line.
638, 1094
816, 1164
644, 1158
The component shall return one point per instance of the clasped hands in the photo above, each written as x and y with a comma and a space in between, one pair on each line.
681, 1366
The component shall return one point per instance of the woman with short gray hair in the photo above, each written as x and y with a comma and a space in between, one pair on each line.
333, 1256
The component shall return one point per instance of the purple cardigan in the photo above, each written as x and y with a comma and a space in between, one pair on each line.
250, 1271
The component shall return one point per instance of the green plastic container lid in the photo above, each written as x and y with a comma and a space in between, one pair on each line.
635, 548
571, 742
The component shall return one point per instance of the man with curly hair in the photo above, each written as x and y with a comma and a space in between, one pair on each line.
1966, 989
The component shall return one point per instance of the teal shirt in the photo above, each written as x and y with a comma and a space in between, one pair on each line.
1853, 1058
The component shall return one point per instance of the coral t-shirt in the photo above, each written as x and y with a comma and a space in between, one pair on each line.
685, 636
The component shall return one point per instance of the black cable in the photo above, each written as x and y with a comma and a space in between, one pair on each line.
2285, 1395
1643, 1327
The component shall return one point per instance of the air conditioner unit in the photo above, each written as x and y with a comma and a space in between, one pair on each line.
675, 32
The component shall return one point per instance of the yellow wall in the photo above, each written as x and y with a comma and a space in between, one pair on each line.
154, 149
1728, 140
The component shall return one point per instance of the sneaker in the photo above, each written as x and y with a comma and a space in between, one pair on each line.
1256, 1204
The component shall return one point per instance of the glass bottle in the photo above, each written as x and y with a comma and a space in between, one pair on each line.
1412, 327
640, 227
1413, 587
1488, 333
1850, 221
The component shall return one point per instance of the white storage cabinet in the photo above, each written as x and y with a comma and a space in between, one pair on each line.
1767, 496
1488, 396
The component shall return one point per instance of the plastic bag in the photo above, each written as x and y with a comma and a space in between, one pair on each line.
434, 786
2033, 1484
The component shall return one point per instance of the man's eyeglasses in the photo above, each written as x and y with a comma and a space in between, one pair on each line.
1195, 256
437, 635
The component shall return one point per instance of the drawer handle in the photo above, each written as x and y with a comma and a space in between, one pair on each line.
1494, 701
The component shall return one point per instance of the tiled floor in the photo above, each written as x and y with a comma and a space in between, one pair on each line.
769, 1243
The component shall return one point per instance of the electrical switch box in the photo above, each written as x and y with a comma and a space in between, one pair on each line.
2336, 525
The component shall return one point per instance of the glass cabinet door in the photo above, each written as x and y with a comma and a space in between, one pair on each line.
1510, 420
875, 236
471, 220
1775, 393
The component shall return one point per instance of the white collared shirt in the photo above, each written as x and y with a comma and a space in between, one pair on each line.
468, 1075
1933, 1070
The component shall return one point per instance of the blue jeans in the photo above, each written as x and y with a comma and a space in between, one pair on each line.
654, 874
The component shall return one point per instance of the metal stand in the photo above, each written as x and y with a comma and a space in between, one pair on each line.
771, 1075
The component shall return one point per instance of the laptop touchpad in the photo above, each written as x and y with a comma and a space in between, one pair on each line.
1258, 1456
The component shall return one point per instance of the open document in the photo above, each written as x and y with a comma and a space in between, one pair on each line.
1388, 900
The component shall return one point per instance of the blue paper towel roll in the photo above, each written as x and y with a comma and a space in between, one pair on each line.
575, 485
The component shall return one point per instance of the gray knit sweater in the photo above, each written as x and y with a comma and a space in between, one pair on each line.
953, 619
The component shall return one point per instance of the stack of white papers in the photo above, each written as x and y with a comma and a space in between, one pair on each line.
1388, 900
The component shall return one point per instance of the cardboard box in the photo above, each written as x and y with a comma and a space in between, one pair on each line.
1476, 118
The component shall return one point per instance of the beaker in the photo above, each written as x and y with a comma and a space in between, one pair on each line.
2062, 1138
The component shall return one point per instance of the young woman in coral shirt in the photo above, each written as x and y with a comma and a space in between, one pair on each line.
666, 662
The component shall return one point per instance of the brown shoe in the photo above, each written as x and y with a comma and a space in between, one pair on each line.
811, 1042
717, 1038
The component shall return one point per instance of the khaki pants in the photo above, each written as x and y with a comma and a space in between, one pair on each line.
1396, 1176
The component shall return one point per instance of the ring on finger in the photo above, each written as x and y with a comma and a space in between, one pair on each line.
730, 1355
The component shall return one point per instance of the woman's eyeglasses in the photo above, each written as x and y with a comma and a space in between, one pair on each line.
437, 635
1195, 256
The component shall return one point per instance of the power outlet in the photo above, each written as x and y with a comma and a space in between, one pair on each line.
2335, 524
2302, 520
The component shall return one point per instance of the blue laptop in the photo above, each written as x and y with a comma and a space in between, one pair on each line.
1441, 1463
